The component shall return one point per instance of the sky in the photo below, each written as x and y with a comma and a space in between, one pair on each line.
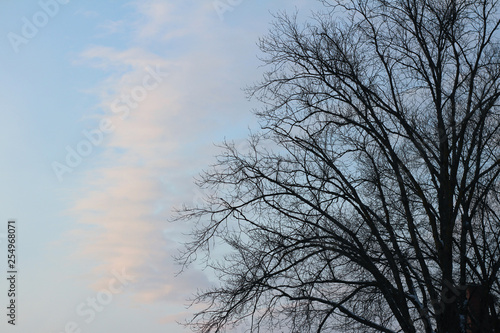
109, 109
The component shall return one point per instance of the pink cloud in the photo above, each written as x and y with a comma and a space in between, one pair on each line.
145, 166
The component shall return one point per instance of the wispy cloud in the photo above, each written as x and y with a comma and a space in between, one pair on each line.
111, 27
131, 188
145, 166
122, 192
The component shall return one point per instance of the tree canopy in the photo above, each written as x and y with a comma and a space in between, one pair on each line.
369, 201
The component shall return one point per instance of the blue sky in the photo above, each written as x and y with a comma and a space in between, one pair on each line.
140, 91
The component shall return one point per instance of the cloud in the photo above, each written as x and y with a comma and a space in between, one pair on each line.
109, 58
145, 166
110, 27
122, 191
157, 16
163, 20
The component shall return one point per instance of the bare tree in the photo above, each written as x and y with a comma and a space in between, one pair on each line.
370, 200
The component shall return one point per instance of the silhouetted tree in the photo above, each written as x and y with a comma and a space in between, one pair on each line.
369, 202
